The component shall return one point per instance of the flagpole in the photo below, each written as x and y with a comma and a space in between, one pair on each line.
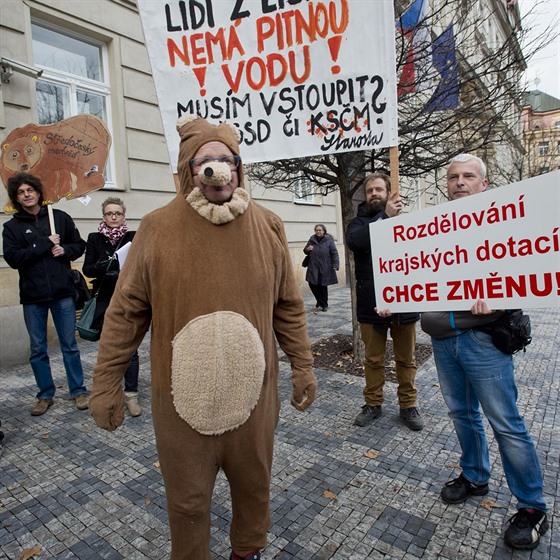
394, 167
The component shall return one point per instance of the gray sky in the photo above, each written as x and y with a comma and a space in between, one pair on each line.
545, 65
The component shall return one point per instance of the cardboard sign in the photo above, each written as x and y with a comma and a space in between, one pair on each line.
502, 246
69, 156
298, 78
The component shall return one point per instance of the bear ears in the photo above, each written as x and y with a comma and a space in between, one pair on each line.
198, 122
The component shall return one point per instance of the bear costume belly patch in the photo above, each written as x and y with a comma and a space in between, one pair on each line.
217, 372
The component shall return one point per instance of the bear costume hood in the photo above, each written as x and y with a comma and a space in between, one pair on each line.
194, 132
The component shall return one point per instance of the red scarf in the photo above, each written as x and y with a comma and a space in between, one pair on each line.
113, 234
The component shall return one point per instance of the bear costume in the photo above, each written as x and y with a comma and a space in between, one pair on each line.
216, 283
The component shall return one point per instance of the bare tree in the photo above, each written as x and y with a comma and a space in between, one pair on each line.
490, 48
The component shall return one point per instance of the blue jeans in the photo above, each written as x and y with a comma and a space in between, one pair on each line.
64, 317
473, 373
131, 373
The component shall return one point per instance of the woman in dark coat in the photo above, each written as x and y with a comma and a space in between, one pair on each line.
100, 263
323, 264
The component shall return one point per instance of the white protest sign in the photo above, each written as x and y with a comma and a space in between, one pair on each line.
502, 245
297, 77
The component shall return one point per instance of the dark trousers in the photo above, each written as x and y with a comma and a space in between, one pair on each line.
131, 374
321, 294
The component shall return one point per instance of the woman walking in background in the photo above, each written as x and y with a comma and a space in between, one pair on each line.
100, 263
323, 264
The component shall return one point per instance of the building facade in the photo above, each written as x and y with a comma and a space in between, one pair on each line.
60, 59
541, 133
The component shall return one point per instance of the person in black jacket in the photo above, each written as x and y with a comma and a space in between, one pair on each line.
380, 205
323, 264
43, 261
101, 264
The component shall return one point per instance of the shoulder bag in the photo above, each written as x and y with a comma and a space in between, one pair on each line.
511, 333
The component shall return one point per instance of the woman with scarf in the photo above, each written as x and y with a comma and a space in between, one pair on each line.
101, 264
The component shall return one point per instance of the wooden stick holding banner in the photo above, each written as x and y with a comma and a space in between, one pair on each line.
394, 167
51, 219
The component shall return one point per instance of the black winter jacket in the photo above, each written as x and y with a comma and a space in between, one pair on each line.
323, 260
357, 239
96, 265
27, 248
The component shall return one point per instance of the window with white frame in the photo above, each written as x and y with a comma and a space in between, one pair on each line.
303, 192
74, 79
543, 148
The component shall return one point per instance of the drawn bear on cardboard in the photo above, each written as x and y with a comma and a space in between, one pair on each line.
68, 156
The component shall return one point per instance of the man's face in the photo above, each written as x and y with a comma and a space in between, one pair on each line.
220, 193
376, 196
464, 178
28, 197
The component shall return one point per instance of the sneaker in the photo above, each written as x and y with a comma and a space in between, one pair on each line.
411, 417
41, 406
458, 490
82, 401
525, 529
368, 415
255, 555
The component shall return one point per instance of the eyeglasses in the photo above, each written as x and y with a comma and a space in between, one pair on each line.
113, 214
232, 161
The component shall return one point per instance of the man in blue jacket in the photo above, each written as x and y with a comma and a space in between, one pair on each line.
380, 205
45, 283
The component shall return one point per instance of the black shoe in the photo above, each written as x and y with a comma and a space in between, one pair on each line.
411, 417
323, 308
525, 529
458, 490
317, 305
368, 415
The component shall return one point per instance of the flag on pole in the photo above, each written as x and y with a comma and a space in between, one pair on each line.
446, 95
415, 26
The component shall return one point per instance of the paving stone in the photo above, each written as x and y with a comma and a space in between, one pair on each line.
80, 492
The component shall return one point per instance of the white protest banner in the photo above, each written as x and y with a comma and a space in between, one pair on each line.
297, 77
502, 245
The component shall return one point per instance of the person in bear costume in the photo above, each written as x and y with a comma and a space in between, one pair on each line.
212, 273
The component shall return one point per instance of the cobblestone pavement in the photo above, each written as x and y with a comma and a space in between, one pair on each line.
339, 492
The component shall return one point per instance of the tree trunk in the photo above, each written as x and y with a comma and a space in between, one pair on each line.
347, 191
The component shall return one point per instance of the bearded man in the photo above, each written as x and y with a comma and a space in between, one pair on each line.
380, 204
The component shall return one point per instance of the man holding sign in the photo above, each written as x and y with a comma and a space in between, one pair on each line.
42, 259
473, 373
380, 204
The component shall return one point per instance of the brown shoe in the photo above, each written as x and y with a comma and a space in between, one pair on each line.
82, 401
41, 406
132, 403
